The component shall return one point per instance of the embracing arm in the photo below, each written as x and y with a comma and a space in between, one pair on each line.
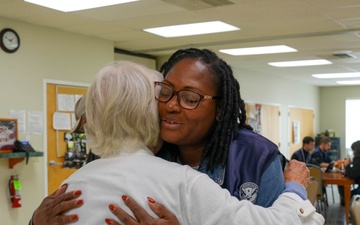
51, 209
290, 208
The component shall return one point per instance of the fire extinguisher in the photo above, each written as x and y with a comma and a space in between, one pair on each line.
15, 191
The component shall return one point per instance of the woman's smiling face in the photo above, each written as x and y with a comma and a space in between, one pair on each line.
181, 126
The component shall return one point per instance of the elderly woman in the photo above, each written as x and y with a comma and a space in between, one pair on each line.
122, 127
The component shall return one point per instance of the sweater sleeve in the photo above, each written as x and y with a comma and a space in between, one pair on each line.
210, 204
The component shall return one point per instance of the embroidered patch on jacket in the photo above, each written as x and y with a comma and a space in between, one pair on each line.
249, 191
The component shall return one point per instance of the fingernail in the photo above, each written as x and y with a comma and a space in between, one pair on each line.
74, 217
77, 193
112, 207
108, 221
64, 185
79, 202
124, 198
152, 201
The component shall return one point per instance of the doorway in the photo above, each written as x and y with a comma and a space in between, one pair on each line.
55, 143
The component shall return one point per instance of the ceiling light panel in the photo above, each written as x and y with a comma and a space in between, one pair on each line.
349, 82
315, 62
71, 5
192, 29
258, 50
336, 75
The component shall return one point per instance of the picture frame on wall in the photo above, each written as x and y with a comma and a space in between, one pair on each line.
8, 134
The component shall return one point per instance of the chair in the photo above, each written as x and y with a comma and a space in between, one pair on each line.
321, 197
355, 210
312, 190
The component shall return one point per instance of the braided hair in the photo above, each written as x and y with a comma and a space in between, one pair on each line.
232, 106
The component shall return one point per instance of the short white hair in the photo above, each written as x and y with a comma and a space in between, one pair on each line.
121, 109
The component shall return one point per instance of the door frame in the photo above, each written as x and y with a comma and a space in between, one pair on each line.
45, 150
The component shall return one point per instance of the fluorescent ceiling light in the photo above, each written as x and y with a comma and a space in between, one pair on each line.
192, 29
336, 75
314, 62
76, 5
348, 82
258, 50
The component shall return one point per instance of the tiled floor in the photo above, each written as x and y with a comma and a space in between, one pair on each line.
335, 213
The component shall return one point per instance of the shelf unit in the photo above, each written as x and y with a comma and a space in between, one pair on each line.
16, 157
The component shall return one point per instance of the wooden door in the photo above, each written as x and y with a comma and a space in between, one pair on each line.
56, 144
265, 120
304, 118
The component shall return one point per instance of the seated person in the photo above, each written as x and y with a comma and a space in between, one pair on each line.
352, 170
352, 167
320, 156
121, 122
304, 153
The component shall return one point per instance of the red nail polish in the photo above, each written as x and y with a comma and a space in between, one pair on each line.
109, 221
79, 202
152, 201
124, 198
112, 207
77, 193
74, 217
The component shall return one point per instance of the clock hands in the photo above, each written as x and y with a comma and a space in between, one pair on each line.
10, 39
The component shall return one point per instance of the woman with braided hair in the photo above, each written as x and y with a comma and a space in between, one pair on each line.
202, 124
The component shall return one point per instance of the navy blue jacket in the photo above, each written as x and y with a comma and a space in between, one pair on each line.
302, 156
250, 154
319, 156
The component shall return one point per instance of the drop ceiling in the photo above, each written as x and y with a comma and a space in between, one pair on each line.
316, 28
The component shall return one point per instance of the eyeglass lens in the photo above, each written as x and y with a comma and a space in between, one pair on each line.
186, 99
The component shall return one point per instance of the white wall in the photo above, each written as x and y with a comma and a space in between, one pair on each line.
276, 91
44, 54
332, 114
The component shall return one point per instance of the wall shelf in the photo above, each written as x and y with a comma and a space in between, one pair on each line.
17, 157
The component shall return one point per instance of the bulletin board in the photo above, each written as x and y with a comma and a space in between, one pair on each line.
301, 124
265, 120
73, 92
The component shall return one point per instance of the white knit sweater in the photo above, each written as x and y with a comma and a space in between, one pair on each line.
192, 196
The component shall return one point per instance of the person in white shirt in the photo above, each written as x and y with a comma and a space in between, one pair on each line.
121, 122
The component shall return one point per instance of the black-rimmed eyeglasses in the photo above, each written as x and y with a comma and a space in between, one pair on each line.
187, 99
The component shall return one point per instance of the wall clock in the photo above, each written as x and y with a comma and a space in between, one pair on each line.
9, 40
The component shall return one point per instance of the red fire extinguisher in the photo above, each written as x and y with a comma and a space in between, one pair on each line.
15, 191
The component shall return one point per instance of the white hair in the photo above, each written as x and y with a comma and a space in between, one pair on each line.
121, 109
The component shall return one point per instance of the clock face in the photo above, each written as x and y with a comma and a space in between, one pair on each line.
10, 41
